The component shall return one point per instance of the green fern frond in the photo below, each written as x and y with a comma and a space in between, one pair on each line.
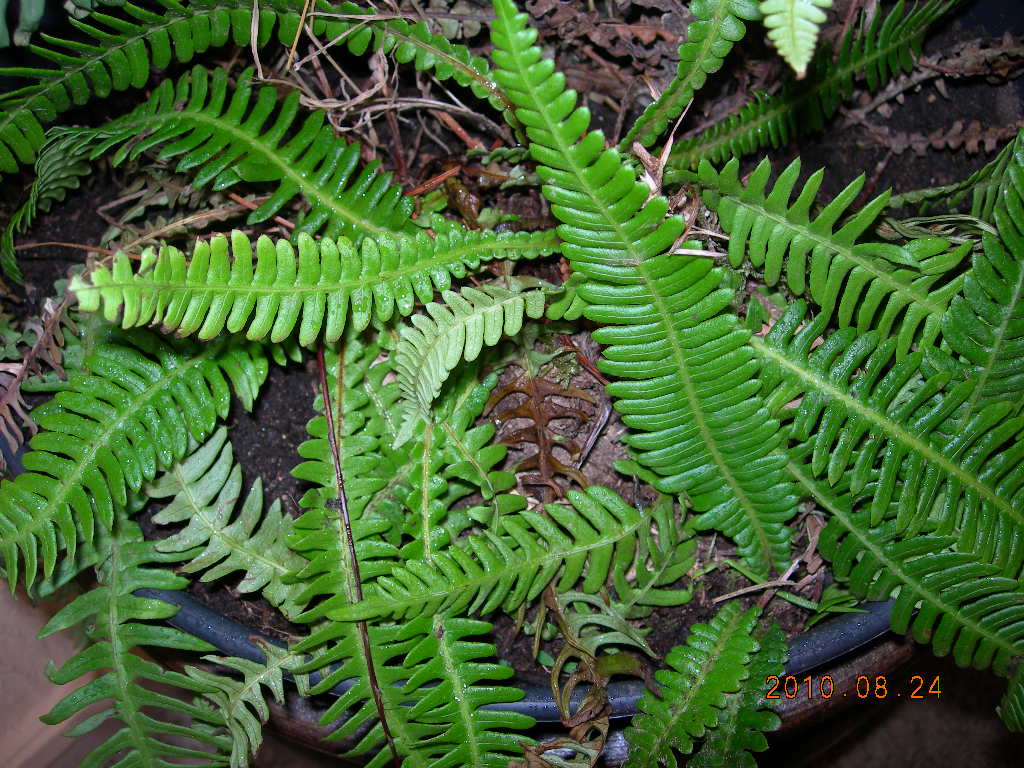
1011, 708
242, 703
950, 600
224, 136
60, 165
983, 188
871, 54
747, 715
793, 27
203, 490
108, 430
595, 622
904, 291
713, 663
687, 379
117, 622
484, 572
269, 289
985, 326
877, 426
453, 689
457, 330
663, 554
709, 39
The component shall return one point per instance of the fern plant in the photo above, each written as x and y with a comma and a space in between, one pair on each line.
876, 386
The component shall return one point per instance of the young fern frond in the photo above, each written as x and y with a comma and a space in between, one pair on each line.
709, 39
267, 289
126, 45
713, 663
204, 489
951, 600
900, 290
109, 429
747, 715
793, 27
687, 379
872, 423
873, 52
242, 703
117, 622
456, 330
485, 571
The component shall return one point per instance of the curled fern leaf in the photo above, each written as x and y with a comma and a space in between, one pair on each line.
894, 289
118, 622
713, 663
687, 380
108, 430
270, 288
455, 330
793, 27
205, 488
708, 41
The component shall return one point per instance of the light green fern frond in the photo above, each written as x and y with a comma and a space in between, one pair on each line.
713, 663
109, 429
242, 703
455, 330
117, 622
204, 489
268, 289
793, 27
686, 379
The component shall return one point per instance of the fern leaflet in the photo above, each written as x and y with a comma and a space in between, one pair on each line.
793, 27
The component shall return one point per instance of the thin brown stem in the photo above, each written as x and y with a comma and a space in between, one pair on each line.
357, 587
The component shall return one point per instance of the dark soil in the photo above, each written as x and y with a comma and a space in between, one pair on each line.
265, 441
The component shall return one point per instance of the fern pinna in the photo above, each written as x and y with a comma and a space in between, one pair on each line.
687, 377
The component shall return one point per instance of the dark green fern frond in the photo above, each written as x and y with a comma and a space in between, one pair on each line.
793, 27
109, 429
457, 330
224, 136
950, 600
452, 687
709, 39
204, 489
983, 188
713, 663
904, 291
122, 49
874, 424
117, 622
268, 289
61, 163
242, 703
747, 715
687, 381
871, 54
985, 326
1011, 708
484, 572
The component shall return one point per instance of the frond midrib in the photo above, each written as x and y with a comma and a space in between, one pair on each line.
906, 579
269, 155
635, 260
